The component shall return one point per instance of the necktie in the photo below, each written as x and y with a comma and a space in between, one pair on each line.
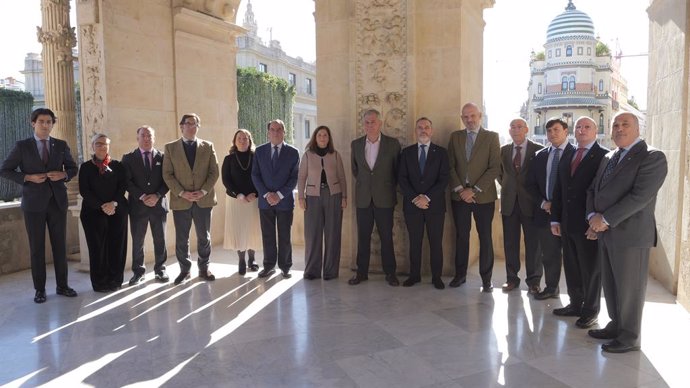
577, 160
44, 154
274, 157
422, 158
469, 144
517, 160
613, 162
147, 162
553, 172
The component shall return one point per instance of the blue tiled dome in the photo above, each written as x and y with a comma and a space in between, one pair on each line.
570, 24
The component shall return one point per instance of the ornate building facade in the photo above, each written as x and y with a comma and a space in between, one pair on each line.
576, 75
252, 52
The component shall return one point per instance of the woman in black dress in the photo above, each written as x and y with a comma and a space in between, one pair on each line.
102, 184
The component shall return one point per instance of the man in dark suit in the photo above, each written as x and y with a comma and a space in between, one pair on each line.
474, 154
274, 174
540, 183
190, 170
517, 210
42, 164
620, 208
375, 159
148, 204
580, 259
423, 178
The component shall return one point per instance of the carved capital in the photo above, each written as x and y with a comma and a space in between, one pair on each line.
62, 40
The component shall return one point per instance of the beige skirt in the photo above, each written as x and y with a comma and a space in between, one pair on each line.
242, 227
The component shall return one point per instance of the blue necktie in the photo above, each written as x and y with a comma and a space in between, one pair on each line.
422, 158
553, 172
147, 162
613, 162
469, 144
274, 157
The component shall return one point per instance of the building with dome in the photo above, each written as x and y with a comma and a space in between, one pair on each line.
576, 75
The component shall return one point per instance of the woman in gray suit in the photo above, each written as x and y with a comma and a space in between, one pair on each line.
322, 193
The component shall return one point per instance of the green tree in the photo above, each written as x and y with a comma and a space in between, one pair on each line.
263, 97
602, 49
15, 124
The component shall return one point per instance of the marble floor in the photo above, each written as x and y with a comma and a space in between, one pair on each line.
248, 332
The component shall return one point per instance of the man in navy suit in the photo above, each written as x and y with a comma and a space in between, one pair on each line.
540, 183
275, 176
42, 164
423, 177
580, 260
147, 203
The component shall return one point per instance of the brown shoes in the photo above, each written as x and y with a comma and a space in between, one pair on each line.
509, 286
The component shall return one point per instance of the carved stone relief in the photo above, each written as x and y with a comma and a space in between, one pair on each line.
92, 77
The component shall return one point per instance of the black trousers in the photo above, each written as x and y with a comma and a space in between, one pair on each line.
551, 256
383, 217
35, 223
416, 223
483, 217
138, 225
582, 269
201, 216
106, 238
511, 244
280, 220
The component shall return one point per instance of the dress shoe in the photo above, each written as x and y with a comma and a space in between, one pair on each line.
66, 291
330, 277
457, 282
286, 274
585, 322
252, 266
136, 279
392, 280
162, 277
266, 272
242, 266
487, 287
40, 297
568, 311
603, 334
618, 347
182, 277
207, 275
534, 289
548, 293
310, 276
409, 282
509, 286
358, 278
438, 283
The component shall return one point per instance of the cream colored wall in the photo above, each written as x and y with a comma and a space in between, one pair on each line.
668, 123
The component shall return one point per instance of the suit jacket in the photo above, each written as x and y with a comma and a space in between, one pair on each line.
483, 167
179, 176
377, 184
431, 182
628, 197
282, 179
570, 193
309, 176
513, 183
24, 159
97, 189
536, 183
141, 181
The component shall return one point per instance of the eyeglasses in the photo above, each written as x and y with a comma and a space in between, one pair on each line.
191, 124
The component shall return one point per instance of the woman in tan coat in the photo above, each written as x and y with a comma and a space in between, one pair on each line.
322, 193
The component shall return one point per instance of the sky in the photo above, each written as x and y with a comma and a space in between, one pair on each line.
513, 29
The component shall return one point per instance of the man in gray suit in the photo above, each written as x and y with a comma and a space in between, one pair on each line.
147, 203
375, 159
620, 209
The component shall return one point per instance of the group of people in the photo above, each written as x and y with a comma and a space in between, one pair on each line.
585, 209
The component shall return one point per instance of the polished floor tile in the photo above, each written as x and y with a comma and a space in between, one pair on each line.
241, 331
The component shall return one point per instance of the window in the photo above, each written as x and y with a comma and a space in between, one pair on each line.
569, 51
564, 84
579, 51
589, 51
549, 53
539, 88
263, 67
571, 84
307, 129
538, 130
601, 123
292, 79
601, 85
308, 86
558, 52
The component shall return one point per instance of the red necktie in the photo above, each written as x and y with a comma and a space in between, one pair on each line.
577, 160
517, 160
